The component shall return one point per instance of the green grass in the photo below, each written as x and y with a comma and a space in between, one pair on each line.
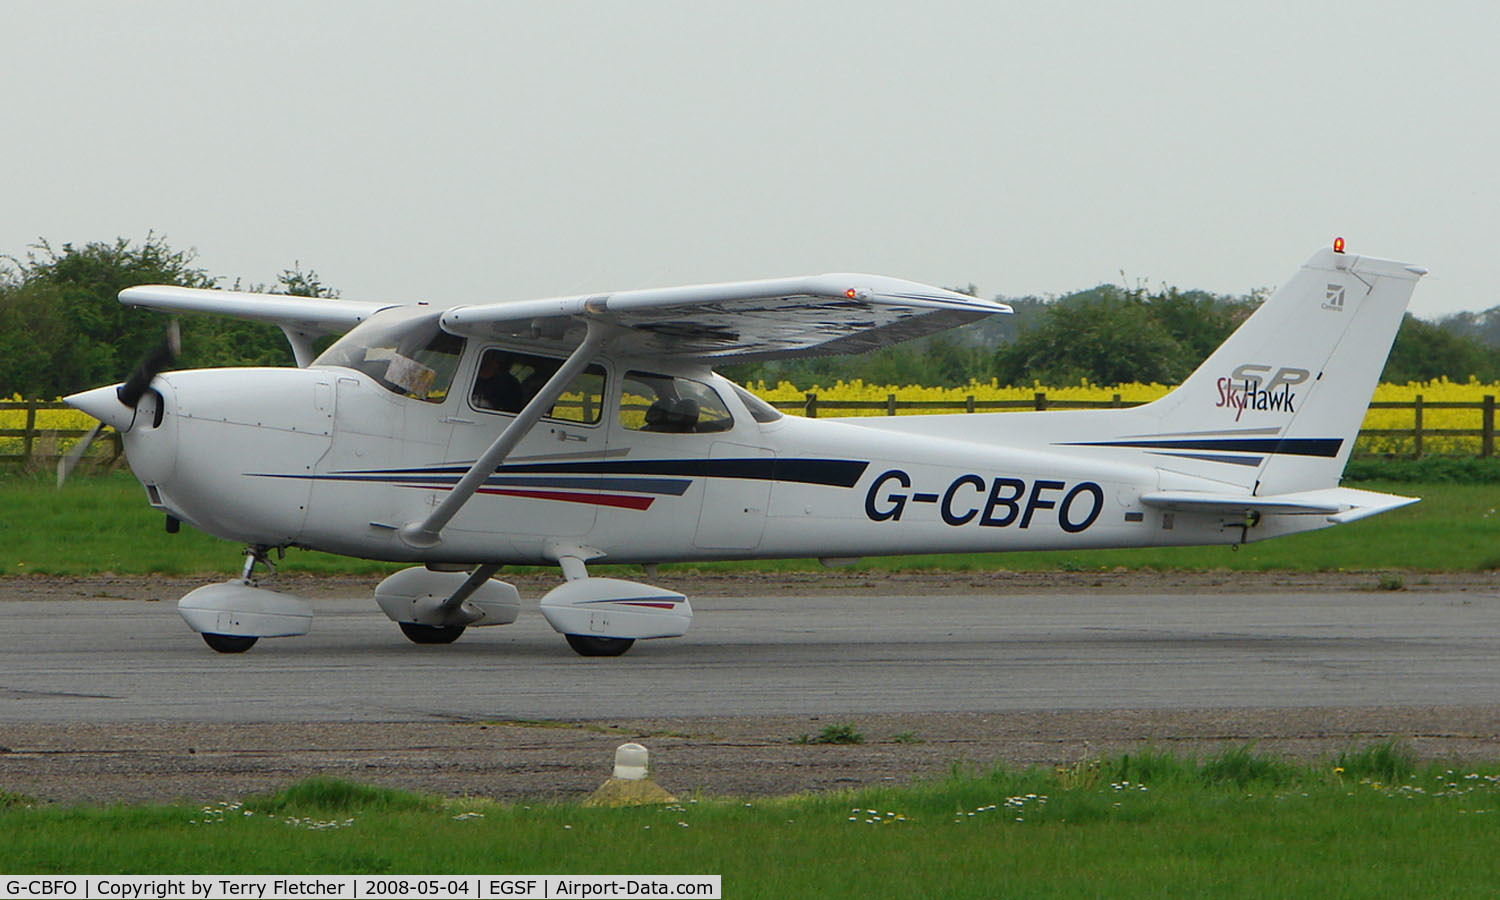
1427, 470
1149, 825
1389, 762
102, 524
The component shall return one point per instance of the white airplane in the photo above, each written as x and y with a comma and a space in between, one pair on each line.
592, 428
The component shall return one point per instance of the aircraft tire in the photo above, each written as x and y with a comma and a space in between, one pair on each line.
431, 634
588, 645
229, 643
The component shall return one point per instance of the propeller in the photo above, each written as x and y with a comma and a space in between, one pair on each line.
159, 358
69, 460
129, 393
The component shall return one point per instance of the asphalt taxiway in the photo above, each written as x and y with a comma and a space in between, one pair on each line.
101, 660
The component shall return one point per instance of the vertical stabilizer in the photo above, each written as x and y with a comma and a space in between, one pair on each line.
1282, 399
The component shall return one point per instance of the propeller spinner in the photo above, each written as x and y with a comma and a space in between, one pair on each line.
116, 406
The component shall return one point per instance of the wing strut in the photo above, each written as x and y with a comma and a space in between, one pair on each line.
302, 344
426, 533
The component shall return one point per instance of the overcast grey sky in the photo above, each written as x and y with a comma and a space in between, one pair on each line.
465, 152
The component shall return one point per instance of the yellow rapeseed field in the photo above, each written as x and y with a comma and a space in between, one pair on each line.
790, 396
982, 391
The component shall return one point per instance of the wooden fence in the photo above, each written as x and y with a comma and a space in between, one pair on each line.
40, 446
811, 406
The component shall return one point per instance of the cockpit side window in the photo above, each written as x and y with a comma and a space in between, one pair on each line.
666, 403
507, 381
411, 357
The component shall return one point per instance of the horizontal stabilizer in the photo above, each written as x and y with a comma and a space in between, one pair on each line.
1340, 505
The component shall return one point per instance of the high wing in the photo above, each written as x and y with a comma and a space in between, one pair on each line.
315, 315
815, 315
300, 318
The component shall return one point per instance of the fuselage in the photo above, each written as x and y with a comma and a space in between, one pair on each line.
591, 428
334, 458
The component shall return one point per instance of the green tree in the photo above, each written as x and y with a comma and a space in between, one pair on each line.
34, 332
1424, 351
59, 315
1482, 326
63, 329
222, 341
1198, 321
1105, 336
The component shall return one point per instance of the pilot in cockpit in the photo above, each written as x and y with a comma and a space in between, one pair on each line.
495, 387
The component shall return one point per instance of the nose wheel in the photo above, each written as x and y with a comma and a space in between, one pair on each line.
229, 643
233, 615
239, 643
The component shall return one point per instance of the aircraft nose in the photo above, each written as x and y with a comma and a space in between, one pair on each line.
103, 403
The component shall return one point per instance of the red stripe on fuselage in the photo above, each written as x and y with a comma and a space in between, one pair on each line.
619, 501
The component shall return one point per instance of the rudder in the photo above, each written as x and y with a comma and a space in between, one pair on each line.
1281, 401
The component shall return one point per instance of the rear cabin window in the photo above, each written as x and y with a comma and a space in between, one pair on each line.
672, 405
760, 410
507, 381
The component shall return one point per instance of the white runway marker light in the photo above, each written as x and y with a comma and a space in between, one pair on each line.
629, 786
632, 762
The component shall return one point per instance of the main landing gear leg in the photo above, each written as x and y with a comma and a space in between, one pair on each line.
434, 606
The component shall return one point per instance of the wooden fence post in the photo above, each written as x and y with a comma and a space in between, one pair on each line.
1417, 428
969, 405
29, 436
1487, 440
890, 404
811, 410
1116, 402
1041, 400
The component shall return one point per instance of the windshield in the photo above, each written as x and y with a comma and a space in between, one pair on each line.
404, 351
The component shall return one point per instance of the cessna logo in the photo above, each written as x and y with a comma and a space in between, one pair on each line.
1333, 298
1252, 386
